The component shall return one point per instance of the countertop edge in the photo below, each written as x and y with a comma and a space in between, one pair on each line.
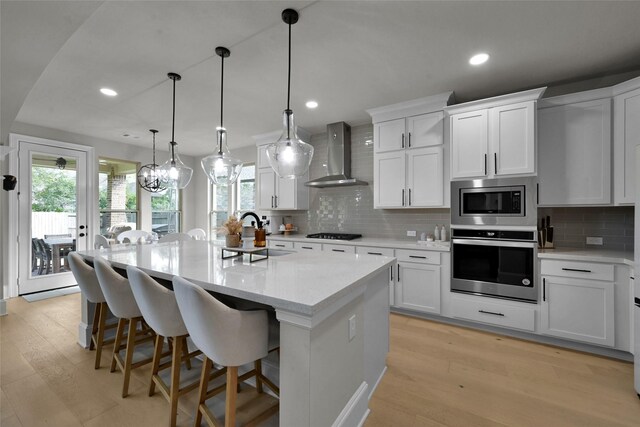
368, 241
587, 255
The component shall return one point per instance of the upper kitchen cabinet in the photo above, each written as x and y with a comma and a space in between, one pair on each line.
626, 135
273, 192
495, 136
409, 154
575, 149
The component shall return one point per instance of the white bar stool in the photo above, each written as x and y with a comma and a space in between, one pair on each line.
117, 291
160, 310
229, 337
85, 275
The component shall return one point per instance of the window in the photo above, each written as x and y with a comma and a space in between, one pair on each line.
165, 212
117, 194
237, 198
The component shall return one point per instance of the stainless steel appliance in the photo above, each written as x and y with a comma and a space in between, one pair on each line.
334, 236
495, 263
494, 202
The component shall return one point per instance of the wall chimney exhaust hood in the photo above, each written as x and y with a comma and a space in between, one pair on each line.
338, 159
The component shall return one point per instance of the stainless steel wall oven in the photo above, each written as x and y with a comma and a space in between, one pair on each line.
496, 263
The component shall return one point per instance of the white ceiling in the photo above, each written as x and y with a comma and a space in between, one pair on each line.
347, 55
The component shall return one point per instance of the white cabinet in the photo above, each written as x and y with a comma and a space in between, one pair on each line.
494, 137
626, 136
273, 192
575, 153
409, 154
344, 249
389, 252
409, 178
574, 305
418, 280
508, 314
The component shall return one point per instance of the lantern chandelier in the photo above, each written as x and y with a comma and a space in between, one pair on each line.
220, 167
289, 156
174, 173
149, 175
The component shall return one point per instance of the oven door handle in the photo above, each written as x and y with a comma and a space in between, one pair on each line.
501, 243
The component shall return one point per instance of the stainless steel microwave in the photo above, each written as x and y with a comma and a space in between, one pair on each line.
502, 201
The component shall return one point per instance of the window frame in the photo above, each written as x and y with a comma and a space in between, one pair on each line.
138, 192
233, 198
178, 211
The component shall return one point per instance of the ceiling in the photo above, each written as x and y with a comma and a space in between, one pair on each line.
348, 56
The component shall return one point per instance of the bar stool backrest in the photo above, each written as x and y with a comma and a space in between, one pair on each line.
116, 290
86, 277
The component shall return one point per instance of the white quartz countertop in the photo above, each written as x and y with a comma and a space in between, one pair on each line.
299, 282
589, 255
370, 241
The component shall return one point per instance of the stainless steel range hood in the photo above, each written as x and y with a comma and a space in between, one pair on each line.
338, 159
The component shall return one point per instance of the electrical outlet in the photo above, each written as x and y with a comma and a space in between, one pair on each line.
352, 327
594, 241
411, 233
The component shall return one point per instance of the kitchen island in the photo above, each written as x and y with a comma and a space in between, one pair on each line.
333, 311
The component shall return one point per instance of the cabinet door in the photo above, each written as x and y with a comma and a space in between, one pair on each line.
626, 135
581, 310
575, 154
512, 139
286, 193
469, 144
266, 188
424, 177
425, 130
418, 287
389, 135
263, 161
389, 179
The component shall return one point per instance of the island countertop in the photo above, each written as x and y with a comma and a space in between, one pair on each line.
304, 283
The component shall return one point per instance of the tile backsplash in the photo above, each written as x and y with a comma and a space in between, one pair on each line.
572, 226
350, 209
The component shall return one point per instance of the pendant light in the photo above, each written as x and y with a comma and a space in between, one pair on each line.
149, 175
220, 167
174, 173
289, 156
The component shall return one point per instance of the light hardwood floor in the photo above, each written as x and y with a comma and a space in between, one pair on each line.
438, 375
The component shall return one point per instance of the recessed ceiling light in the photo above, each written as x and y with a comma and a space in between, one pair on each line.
479, 58
311, 104
108, 92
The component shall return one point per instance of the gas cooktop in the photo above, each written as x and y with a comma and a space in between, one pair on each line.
334, 236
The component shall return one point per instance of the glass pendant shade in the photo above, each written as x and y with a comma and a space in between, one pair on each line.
173, 173
289, 156
220, 167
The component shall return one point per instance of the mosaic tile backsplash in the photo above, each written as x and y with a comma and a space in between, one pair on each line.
350, 209
572, 226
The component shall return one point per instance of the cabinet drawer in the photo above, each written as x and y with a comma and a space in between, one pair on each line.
307, 246
425, 257
494, 313
347, 249
368, 250
279, 244
577, 269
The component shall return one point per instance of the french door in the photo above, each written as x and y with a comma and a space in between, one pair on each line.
52, 214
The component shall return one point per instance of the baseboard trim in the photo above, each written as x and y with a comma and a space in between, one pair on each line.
375, 386
84, 334
3, 307
356, 410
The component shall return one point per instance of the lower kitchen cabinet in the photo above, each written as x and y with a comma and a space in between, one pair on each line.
418, 287
508, 314
370, 250
578, 309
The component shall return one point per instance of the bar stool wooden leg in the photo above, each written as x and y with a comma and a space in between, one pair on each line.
94, 328
204, 383
157, 355
101, 327
232, 392
116, 344
175, 379
131, 338
185, 353
258, 368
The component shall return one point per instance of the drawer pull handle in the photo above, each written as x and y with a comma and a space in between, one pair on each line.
306, 247
490, 312
337, 250
280, 246
374, 253
416, 256
576, 269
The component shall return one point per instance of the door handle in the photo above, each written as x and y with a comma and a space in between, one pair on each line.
485, 164
374, 253
276, 201
544, 289
576, 269
495, 163
403, 140
81, 235
81, 227
409, 139
403, 197
271, 201
398, 272
409, 197
490, 312
337, 250
391, 273
306, 247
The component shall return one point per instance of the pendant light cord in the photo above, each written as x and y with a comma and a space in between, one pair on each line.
288, 114
173, 125
154, 151
221, 104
